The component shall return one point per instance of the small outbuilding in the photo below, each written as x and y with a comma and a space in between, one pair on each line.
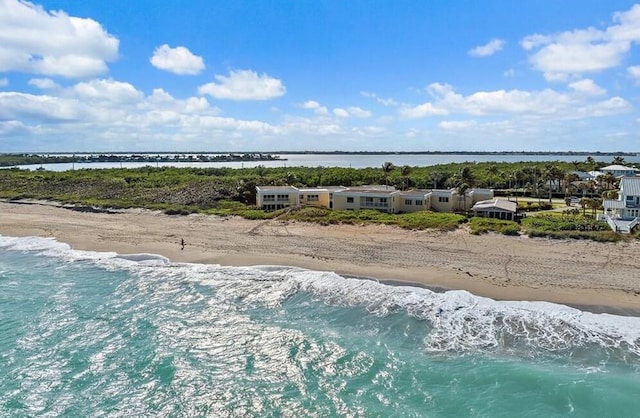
496, 208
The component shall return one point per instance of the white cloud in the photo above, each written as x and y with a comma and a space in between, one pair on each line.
357, 112
509, 73
572, 53
487, 49
43, 83
453, 125
547, 103
316, 107
341, 113
423, 110
107, 90
52, 43
178, 60
244, 85
588, 87
634, 71
385, 102
352, 111
4, 82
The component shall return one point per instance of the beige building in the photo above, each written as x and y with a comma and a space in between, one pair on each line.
383, 198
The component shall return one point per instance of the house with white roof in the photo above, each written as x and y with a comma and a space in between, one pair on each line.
496, 208
619, 170
622, 213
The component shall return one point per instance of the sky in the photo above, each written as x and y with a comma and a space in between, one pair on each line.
323, 75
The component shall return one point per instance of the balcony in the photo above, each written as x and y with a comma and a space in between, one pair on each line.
374, 205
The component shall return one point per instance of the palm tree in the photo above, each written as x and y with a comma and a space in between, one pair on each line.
436, 177
584, 202
551, 173
610, 180
461, 189
492, 171
618, 160
387, 168
595, 204
405, 171
568, 179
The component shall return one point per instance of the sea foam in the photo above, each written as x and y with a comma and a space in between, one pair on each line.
459, 320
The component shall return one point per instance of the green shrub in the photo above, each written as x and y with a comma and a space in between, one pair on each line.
483, 225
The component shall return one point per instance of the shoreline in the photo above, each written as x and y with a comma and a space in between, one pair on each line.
587, 275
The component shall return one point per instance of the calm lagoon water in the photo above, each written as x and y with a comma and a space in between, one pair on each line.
87, 334
347, 160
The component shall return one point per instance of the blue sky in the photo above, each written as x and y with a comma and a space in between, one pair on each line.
199, 75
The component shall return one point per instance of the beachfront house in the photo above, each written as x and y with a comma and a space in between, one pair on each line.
622, 213
496, 208
619, 170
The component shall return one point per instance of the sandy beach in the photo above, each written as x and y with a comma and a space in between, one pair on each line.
602, 277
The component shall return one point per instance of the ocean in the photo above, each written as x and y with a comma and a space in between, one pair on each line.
89, 334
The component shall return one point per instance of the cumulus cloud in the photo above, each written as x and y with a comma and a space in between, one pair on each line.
487, 49
341, 113
178, 60
316, 107
385, 102
107, 90
572, 53
352, 111
548, 103
453, 125
244, 85
423, 110
588, 87
53, 43
43, 83
634, 71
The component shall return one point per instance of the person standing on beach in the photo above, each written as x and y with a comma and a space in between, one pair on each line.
181, 244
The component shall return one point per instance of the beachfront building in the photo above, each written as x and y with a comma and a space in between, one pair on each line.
383, 198
414, 200
276, 197
622, 214
496, 208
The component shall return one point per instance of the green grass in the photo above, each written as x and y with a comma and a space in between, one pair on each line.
483, 225
563, 226
417, 220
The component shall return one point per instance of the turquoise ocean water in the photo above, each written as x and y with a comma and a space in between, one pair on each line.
86, 334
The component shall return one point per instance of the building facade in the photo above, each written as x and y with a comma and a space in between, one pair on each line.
382, 198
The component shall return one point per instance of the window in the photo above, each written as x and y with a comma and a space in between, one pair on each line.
283, 197
408, 202
443, 199
368, 200
313, 198
630, 198
301, 197
349, 199
418, 202
269, 198
383, 200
